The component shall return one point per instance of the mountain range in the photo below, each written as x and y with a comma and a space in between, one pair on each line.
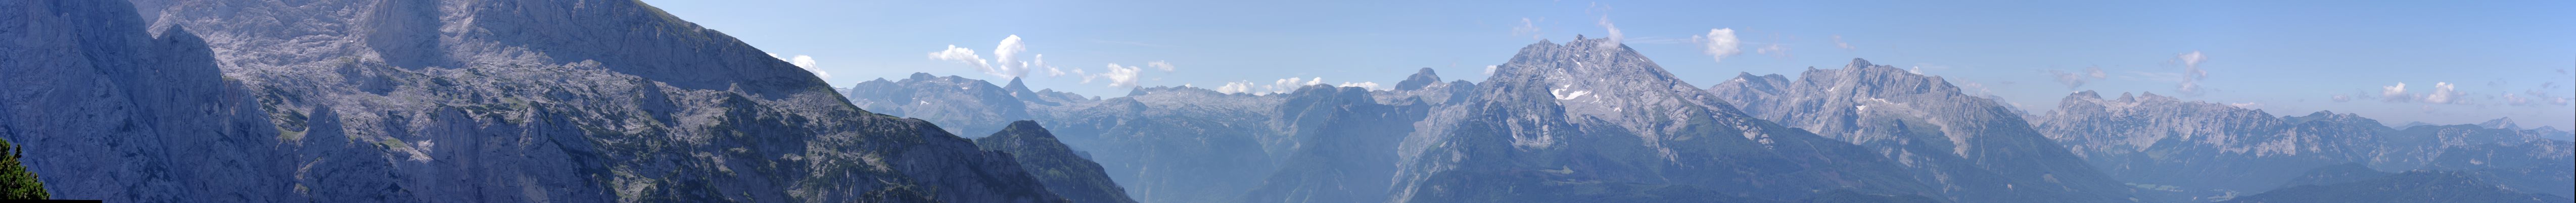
2208, 150
450, 101
617, 101
1557, 113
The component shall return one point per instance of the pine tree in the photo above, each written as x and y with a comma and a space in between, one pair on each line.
15, 181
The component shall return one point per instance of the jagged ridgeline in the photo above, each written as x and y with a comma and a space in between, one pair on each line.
1581, 121
1981, 150
449, 101
2194, 150
1591, 121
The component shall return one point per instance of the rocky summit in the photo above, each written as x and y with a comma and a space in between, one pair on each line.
1982, 150
619, 101
449, 101
2202, 150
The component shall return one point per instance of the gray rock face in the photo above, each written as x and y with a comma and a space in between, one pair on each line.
1589, 120
1980, 150
972, 105
2500, 123
1060, 167
1419, 79
105, 109
1177, 144
1183, 144
1344, 147
449, 101
2207, 150
1565, 123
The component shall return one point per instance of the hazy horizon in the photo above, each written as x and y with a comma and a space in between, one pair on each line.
2450, 63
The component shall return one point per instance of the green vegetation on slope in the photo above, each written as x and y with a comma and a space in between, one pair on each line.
15, 181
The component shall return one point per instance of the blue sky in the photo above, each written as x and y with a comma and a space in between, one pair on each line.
2497, 58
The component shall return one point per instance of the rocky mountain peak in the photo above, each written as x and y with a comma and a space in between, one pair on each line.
1419, 79
2501, 123
1861, 63
2088, 94
1057, 166
1593, 77
1938, 128
1016, 86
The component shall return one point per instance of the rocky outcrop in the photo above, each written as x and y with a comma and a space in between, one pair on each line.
1343, 147
1588, 120
1979, 149
105, 108
967, 105
449, 101
1062, 169
2205, 150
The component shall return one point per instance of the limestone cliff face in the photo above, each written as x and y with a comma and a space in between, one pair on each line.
1064, 170
1565, 123
2197, 147
106, 109
1980, 149
1593, 120
449, 101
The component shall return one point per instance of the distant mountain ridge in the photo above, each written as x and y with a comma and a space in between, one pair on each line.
2200, 146
1980, 148
1061, 168
1592, 122
1292, 134
449, 101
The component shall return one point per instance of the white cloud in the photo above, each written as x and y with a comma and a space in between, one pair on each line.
963, 55
1775, 50
1119, 76
1052, 71
2191, 73
1007, 56
2540, 97
1005, 62
2395, 93
1838, 43
1615, 35
804, 62
2516, 100
1368, 85
1086, 77
2342, 98
2249, 105
1719, 43
1528, 27
807, 63
2443, 94
1284, 85
1489, 69
2191, 63
1235, 87
2073, 80
1160, 65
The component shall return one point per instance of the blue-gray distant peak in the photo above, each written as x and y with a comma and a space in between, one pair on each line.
1419, 79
